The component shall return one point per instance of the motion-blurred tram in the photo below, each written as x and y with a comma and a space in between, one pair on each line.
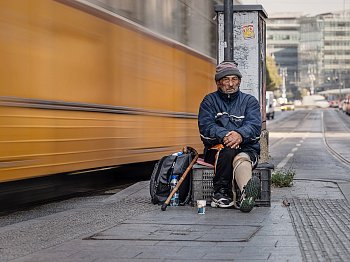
92, 84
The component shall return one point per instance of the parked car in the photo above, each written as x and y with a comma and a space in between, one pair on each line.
287, 106
346, 105
333, 103
340, 105
270, 105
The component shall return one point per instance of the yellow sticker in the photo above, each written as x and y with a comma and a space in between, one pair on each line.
248, 31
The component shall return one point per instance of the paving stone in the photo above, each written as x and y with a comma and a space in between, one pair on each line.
106, 259
285, 258
308, 230
172, 253
238, 256
179, 232
189, 244
322, 228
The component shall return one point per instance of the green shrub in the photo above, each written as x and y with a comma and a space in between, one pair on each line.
282, 178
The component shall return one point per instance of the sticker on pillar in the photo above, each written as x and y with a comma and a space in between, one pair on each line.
248, 31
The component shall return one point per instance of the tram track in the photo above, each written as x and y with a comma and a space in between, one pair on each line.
322, 125
331, 149
286, 120
324, 132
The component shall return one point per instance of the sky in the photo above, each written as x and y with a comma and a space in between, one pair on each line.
311, 7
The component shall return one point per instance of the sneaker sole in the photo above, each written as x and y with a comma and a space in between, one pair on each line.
217, 204
252, 192
247, 205
252, 188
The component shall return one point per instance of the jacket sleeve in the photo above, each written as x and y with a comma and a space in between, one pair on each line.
211, 133
251, 127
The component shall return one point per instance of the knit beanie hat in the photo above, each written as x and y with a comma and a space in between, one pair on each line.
227, 68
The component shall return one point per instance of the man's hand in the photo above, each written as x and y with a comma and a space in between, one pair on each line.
232, 139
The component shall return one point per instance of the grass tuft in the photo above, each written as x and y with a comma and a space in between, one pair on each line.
282, 177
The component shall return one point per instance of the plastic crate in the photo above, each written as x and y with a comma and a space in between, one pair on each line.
202, 183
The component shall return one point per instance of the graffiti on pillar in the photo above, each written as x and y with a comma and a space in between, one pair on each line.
248, 31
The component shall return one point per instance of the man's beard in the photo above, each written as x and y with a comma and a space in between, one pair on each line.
231, 90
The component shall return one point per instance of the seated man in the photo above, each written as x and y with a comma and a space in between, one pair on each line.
230, 124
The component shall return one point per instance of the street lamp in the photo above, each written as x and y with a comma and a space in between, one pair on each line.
311, 73
283, 74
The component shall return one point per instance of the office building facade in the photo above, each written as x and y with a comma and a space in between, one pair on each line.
282, 33
324, 51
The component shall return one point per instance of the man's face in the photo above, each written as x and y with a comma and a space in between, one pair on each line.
229, 84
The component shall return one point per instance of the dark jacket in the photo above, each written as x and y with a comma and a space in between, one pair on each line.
220, 113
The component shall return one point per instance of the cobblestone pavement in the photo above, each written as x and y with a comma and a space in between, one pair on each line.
20, 237
127, 227
322, 227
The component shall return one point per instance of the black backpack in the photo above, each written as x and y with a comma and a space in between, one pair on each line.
162, 172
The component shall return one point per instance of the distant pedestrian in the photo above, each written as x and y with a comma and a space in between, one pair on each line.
230, 124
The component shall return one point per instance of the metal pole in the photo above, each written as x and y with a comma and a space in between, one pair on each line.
228, 29
283, 73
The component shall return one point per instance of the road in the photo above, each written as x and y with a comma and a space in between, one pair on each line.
309, 141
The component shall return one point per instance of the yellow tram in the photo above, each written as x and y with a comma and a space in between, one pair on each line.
83, 88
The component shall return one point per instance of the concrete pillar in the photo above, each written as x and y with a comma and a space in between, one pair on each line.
249, 33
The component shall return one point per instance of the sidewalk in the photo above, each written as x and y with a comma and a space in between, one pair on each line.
298, 232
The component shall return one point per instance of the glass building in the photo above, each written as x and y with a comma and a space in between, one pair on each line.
324, 51
282, 33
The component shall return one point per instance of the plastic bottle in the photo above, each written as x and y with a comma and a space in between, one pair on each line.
174, 201
178, 153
